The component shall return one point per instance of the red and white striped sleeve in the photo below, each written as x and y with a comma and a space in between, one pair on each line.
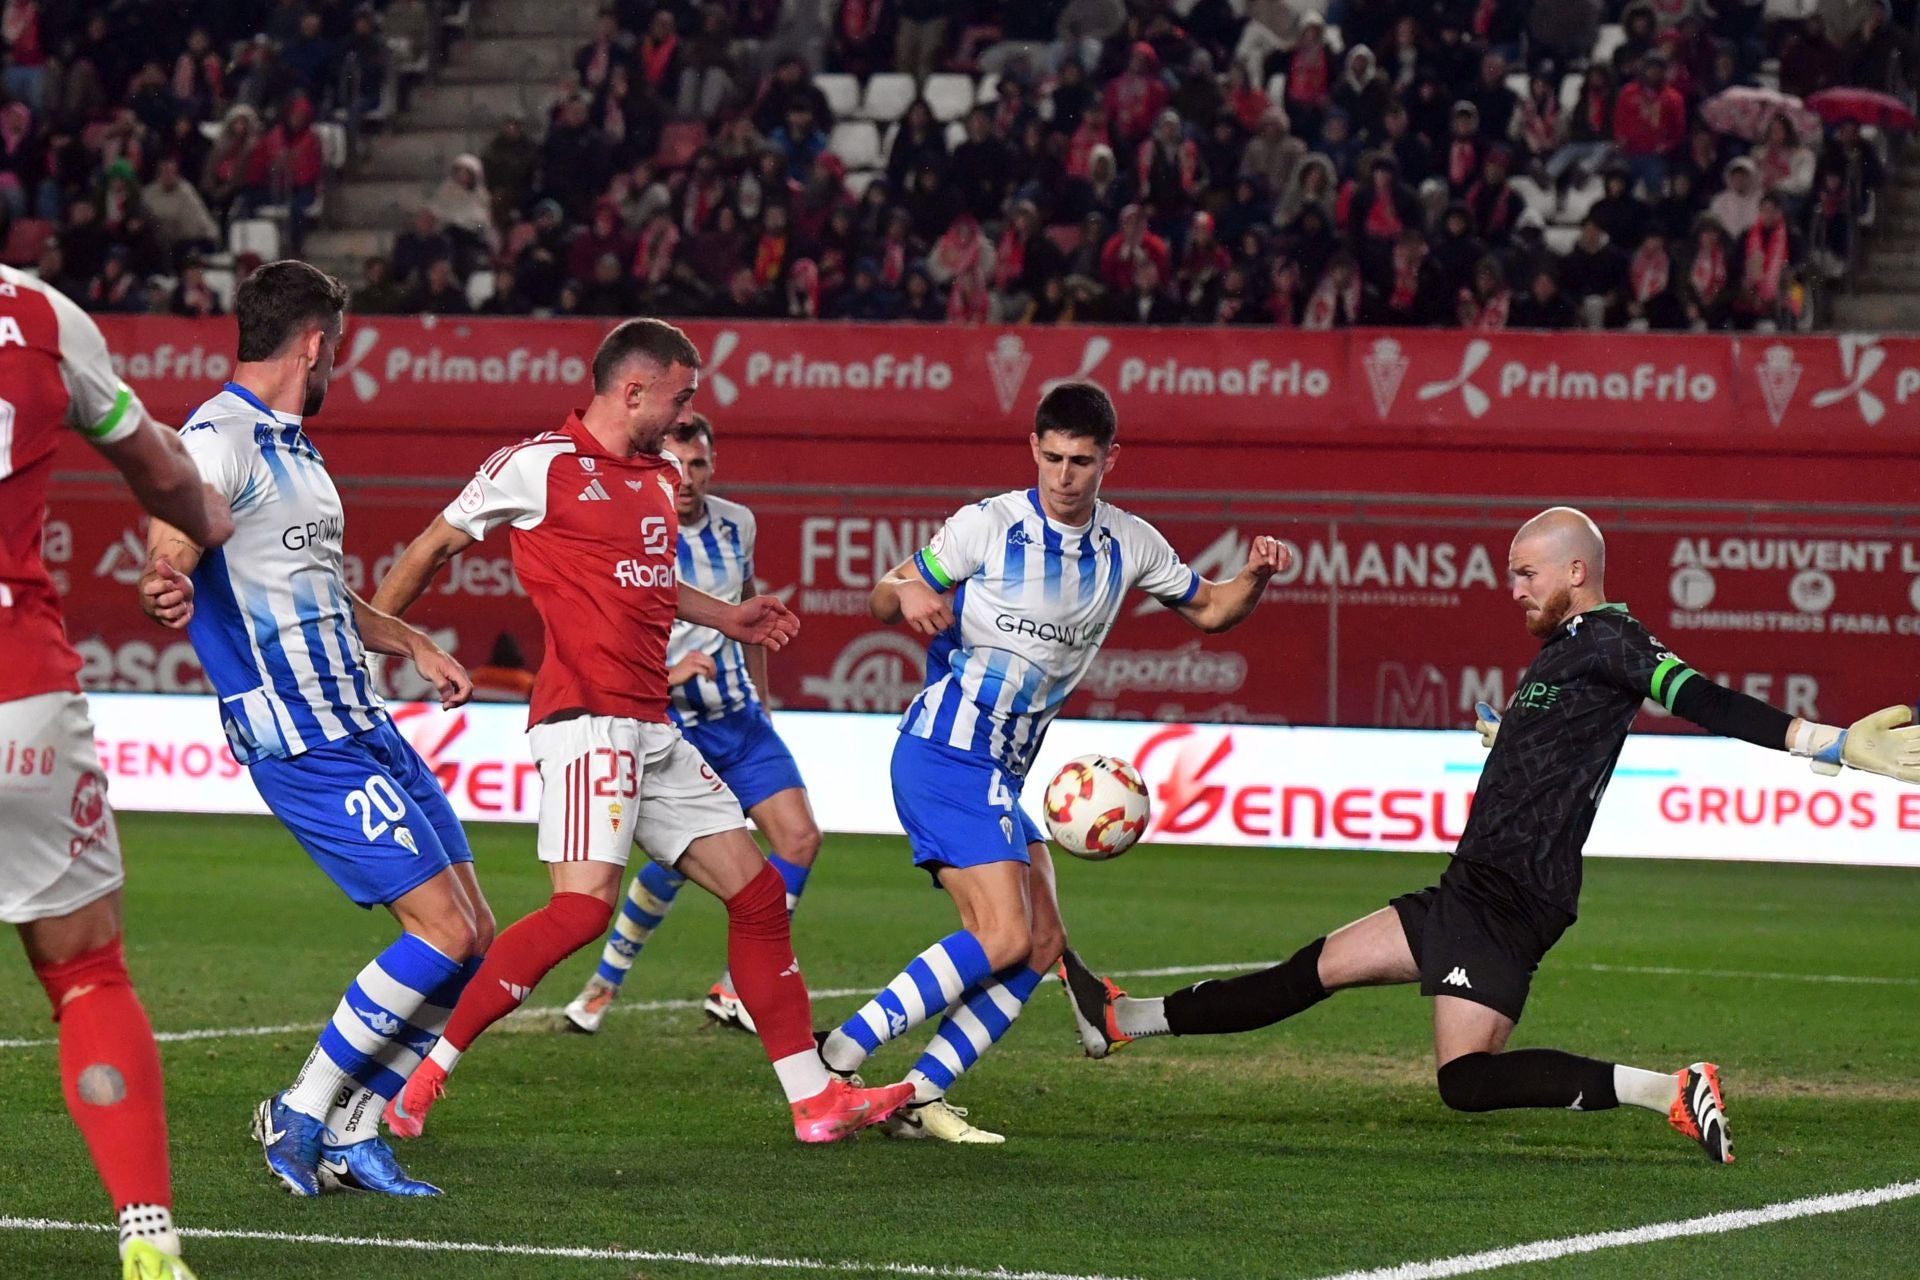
509, 488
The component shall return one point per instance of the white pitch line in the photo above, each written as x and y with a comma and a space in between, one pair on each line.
1168, 971
640, 1006
581, 1253
1665, 972
1569, 1246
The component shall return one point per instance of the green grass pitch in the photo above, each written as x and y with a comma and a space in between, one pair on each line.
1300, 1151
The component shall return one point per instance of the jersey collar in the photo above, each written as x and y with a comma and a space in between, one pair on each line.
1033, 496
284, 419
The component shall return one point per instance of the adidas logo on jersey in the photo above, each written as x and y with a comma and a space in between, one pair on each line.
595, 492
1458, 978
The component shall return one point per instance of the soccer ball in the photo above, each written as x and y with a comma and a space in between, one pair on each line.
1096, 807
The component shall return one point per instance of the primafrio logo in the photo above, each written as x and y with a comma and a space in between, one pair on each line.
1861, 356
1090, 357
364, 384
1470, 395
1778, 374
725, 390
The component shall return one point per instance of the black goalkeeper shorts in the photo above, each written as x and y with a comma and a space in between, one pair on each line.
1479, 936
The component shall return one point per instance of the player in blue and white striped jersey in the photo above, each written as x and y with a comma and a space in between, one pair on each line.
1016, 593
717, 703
283, 640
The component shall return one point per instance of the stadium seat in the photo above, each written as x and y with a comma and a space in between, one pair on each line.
950, 95
25, 239
857, 143
211, 130
1561, 239
842, 93
956, 134
333, 144
221, 281
988, 90
479, 288
889, 94
859, 180
679, 143
1277, 88
1612, 36
1570, 86
1335, 40
1519, 82
255, 235
1066, 238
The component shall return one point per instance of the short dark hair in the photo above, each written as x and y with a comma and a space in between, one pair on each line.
657, 340
278, 300
1077, 409
698, 429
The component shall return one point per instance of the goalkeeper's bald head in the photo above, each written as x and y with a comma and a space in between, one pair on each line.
1557, 566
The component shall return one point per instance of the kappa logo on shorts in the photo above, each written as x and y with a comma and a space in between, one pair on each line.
1458, 978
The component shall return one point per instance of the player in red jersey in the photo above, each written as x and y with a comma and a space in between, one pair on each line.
60, 871
594, 523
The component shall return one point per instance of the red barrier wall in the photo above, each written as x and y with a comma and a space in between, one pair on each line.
1753, 491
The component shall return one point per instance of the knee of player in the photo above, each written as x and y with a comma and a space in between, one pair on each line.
1463, 1082
484, 930
453, 937
1046, 944
802, 847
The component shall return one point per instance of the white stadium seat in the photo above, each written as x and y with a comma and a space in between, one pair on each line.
479, 288
989, 88
1612, 36
255, 235
857, 143
950, 95
859, 180
1277, 88
889, 94
956, 134
1570, 86
842, 93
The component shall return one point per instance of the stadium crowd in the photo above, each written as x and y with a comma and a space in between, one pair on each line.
1421, 162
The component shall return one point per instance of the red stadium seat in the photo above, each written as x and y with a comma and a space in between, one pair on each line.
24, 240
679, 143
1066, 238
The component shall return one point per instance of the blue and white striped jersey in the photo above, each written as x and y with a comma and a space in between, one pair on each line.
1032, 600
272, 622
715, 555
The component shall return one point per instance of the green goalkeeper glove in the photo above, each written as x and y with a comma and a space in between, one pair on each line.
1877, 744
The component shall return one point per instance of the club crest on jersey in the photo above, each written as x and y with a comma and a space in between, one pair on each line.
613, 816
586, 464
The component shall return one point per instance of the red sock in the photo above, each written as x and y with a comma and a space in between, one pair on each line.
766, 977
522, 956
110, 1074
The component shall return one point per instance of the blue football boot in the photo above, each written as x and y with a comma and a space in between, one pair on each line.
369, 1165
291, 1143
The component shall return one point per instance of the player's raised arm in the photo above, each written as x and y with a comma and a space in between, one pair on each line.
416, 569
915, 590
1221, 606
1877, 743
905, 595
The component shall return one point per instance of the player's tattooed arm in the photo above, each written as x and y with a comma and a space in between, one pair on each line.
1221, 606
165, 589
904, 596
761, 620
418, 565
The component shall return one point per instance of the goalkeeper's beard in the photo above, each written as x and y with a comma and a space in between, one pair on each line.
1550, 614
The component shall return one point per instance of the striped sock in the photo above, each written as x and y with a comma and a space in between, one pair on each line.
376, 1008
794, 876
648, 900
356, 1113
927, 986
969, 1030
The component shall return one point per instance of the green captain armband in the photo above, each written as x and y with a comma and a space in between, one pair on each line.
931, 570
1667, 680
109, 424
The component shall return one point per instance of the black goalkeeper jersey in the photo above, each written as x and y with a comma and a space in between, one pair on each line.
1559, 739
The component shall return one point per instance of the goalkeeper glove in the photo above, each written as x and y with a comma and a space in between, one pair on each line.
1877, 744
1486, 723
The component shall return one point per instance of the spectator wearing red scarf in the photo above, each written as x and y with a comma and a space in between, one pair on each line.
604, 233
1414, 293
1379, 213
1309, 78
1767, 251
1135, 99
1496, 207
1202, 263
1170, 173
1712, 281
862, 37
659, 56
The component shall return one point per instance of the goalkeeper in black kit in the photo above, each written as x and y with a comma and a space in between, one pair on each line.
1473, 940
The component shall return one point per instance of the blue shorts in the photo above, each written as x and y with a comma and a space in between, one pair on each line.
960, 810
368, 810
747, 754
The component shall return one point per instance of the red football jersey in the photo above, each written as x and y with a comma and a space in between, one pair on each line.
593, 540
54, 373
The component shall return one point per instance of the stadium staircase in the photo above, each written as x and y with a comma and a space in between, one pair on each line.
1883, 291
512, 59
